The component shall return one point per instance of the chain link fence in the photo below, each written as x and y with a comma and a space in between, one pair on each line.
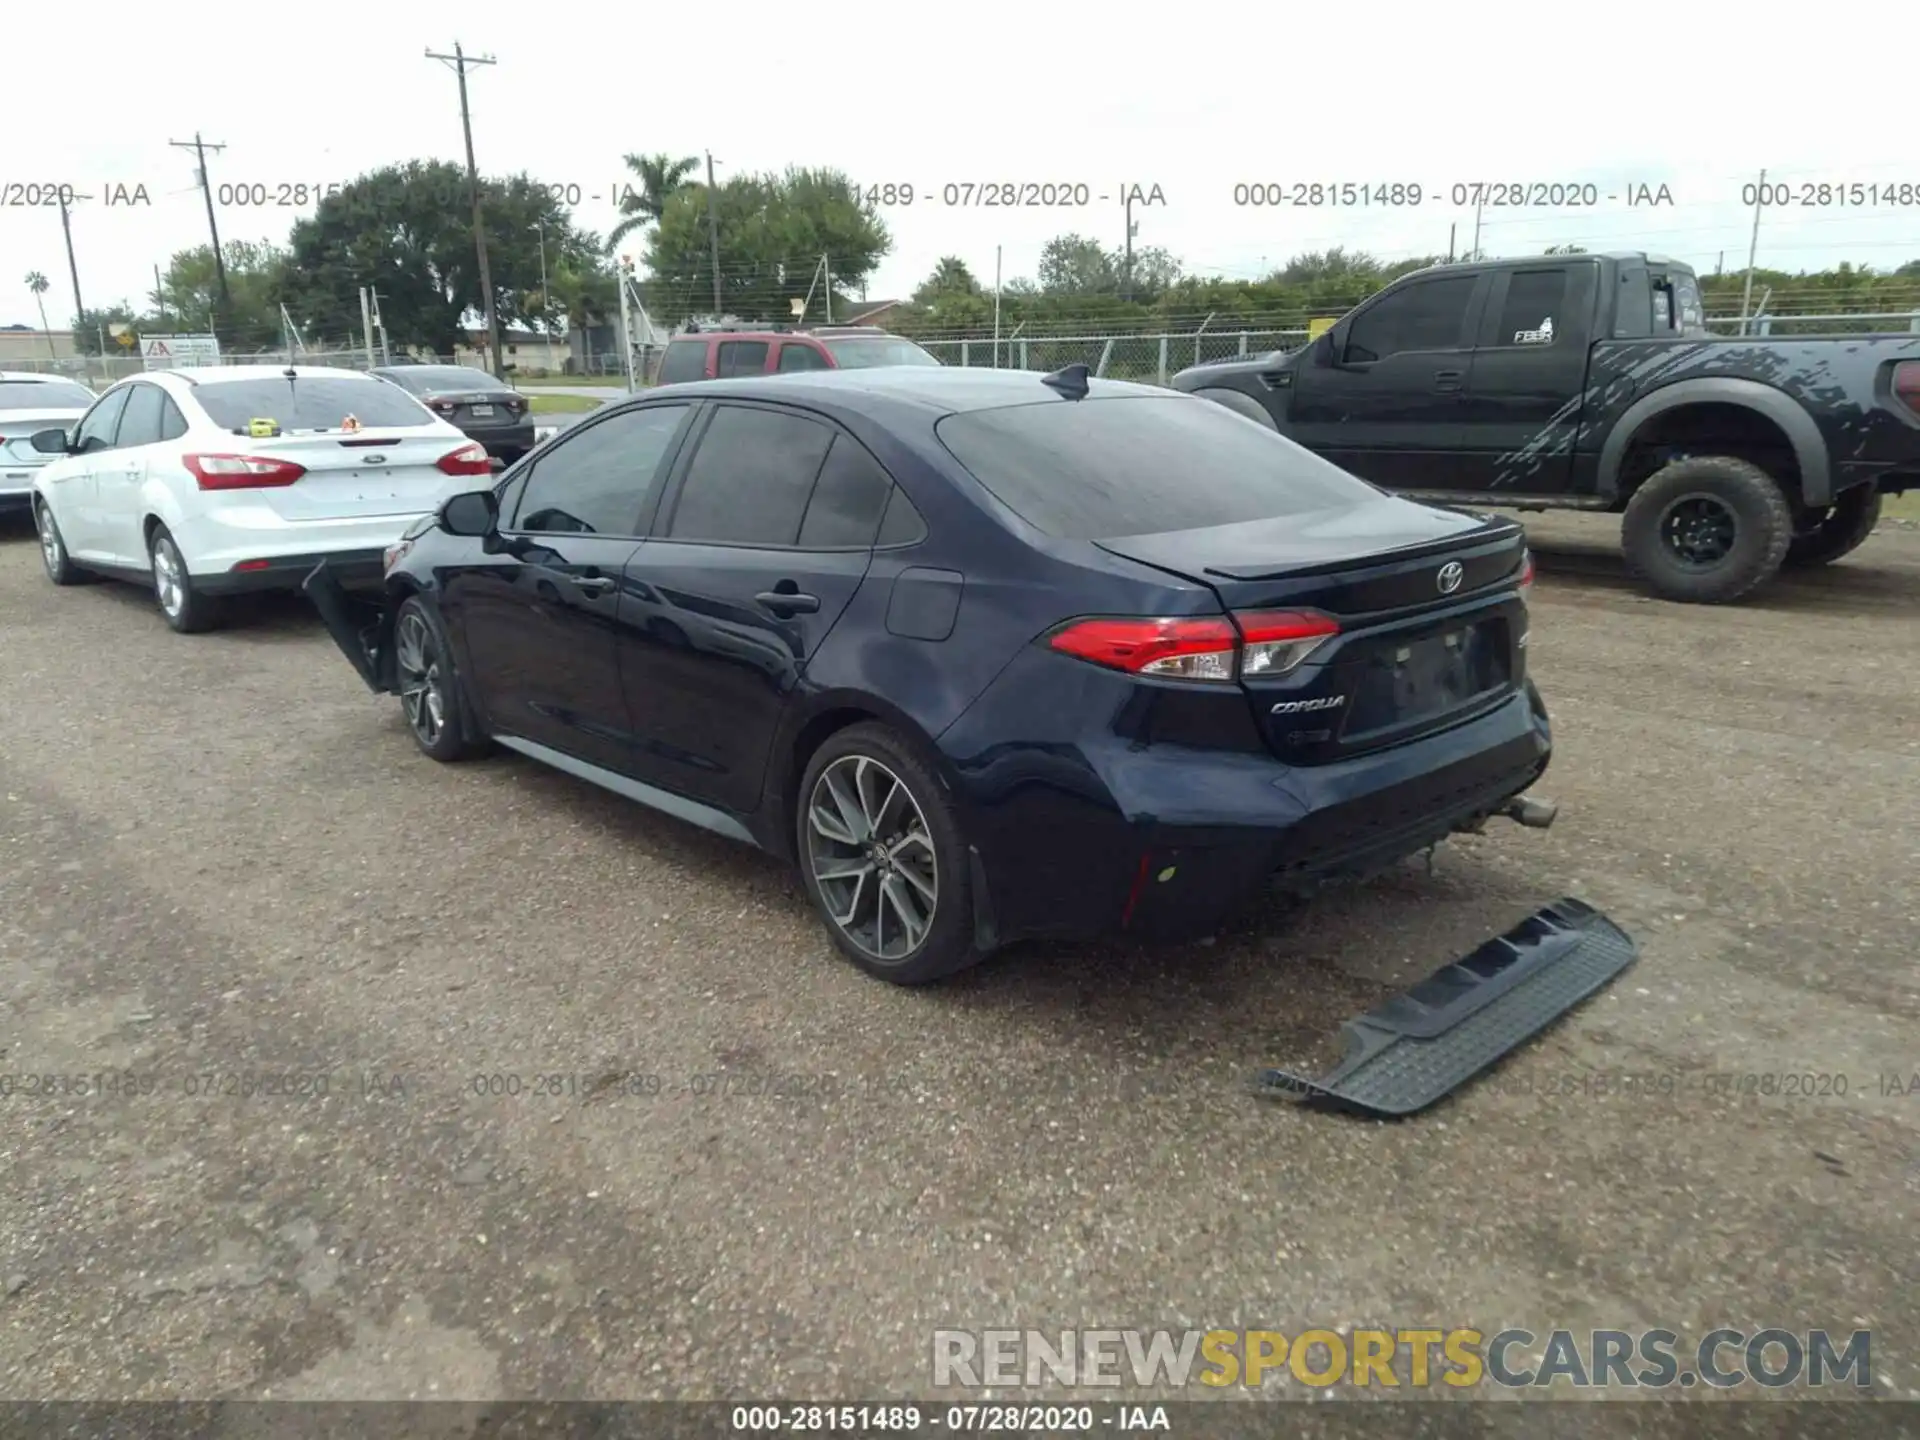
1152, 358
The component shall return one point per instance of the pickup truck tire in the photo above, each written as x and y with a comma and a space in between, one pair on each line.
1707, 529
1823, 536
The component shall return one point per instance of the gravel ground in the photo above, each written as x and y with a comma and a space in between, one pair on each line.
223, 857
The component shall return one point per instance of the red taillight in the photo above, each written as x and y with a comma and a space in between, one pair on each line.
1215, 648
245, 565
241, 472
1906, 384
470, 459
1526, 573
445, 407
1277, 640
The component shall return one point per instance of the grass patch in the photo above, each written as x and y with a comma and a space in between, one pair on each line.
613, 382
562, 404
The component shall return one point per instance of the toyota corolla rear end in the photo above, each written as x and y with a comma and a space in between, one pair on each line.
1254, 669
327, 466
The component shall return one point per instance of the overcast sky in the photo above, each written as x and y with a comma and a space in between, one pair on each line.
1194, 99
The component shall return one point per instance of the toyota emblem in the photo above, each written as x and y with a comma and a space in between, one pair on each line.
1450, 576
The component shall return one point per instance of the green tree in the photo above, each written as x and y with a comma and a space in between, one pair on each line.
37, 284
773, 231
407, 231
657, 178
256, 278
90, 325
1077, 265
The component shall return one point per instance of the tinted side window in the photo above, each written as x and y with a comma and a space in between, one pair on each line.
1424, 316
140, 424
848, 499
685, 360
750, 478
172, 423
597, 481
98, 424
742, 357
1533, 298
800, 357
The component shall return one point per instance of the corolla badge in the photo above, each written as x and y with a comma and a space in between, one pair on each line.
1302, 707
1450, 576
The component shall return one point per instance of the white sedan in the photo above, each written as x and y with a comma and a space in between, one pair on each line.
205, 483
29, 403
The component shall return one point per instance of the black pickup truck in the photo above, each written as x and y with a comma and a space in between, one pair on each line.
1590, 382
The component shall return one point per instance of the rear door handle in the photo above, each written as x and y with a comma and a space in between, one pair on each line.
594, 584
1447, 380
788, 602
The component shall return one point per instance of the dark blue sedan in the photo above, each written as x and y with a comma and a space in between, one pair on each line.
987, 654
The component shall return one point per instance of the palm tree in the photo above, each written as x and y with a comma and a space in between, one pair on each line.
660, 177
37, 283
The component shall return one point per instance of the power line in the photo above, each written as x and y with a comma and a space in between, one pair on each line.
200, 148
459, 61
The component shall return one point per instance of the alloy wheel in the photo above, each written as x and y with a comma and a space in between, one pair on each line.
422, 689
50, 547
872, 857
169, 577
1699, 530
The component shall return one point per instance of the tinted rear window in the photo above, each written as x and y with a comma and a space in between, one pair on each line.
1103, 469
684, 360
43, 395
421, 378
865, 354
309, 402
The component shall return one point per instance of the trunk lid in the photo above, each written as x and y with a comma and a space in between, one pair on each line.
17, 427
354, 474
478, 409
1414, 654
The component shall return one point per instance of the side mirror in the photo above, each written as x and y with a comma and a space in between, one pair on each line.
50, 442
472, 513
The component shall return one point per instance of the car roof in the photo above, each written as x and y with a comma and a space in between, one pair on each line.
943, 389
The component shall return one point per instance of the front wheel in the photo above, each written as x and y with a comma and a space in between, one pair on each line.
1707, 529
1824, 535
883, 858
437, 717
53, 547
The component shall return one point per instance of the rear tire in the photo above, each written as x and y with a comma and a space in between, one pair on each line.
186, 609
1707, 529
1840, 529
437, 714
881, 851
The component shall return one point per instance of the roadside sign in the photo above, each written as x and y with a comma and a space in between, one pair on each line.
168, 352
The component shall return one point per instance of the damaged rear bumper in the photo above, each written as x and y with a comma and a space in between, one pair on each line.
1421, 1045
360, 623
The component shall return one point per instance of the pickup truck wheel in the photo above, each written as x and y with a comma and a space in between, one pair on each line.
1823, 536
1707, 529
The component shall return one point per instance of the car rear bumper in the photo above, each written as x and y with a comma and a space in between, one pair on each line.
353, 569
279, 553
503, 440
1170, 841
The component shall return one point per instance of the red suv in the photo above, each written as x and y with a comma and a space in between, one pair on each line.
720, 354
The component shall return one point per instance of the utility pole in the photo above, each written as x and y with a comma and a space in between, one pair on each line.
73, 274
826, 265
1476, 230
713, 233
1129, 261
460, 60
1753, 249
159, 295
1452, 231
546, 300
200, 148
